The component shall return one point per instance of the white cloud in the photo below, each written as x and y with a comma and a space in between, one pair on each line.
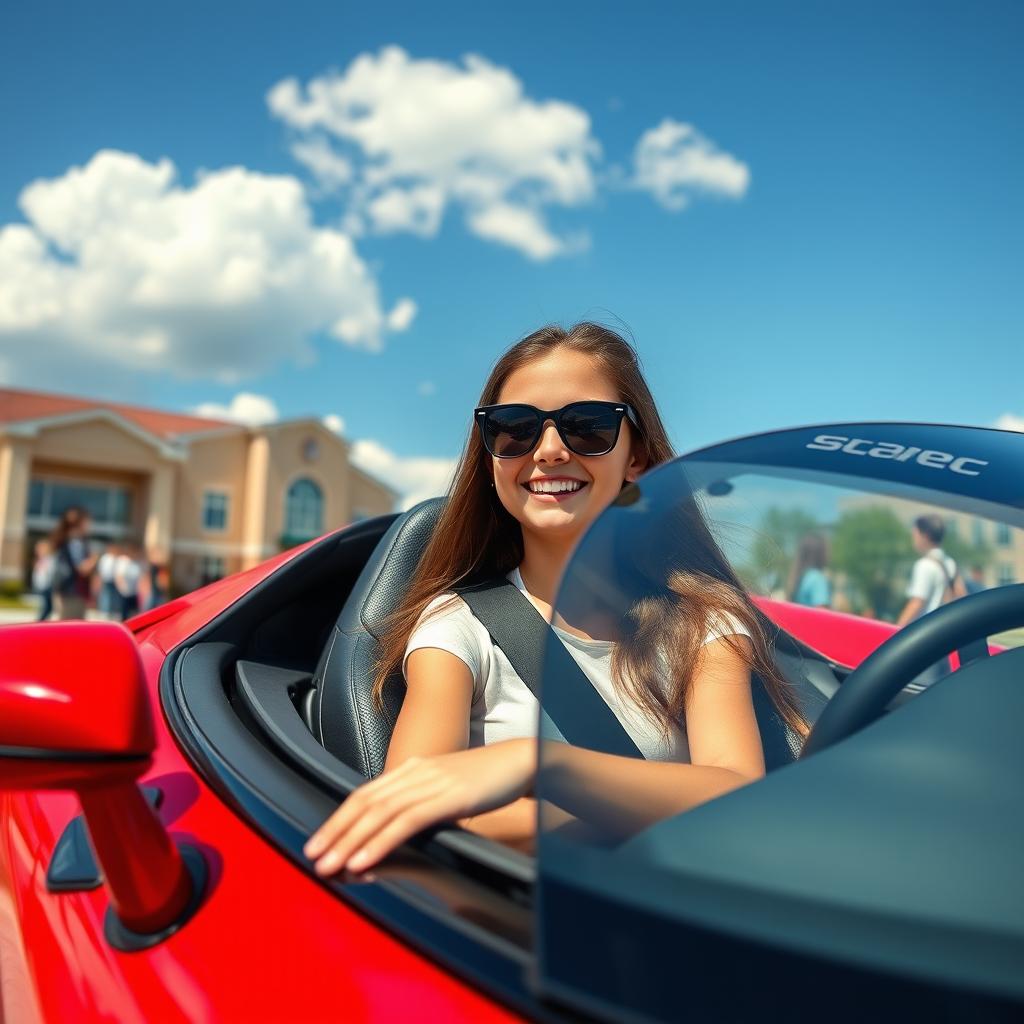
402, 315
333, 422
426, 388
675, 161
415, 479
252, 410
424, 135
1009, 422
518, 227
331, 170
120, 266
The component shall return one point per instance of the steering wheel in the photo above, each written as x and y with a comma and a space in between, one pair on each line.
867, 691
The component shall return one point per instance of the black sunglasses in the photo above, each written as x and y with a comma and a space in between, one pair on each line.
586, 428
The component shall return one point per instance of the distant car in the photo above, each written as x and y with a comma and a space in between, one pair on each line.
160, 779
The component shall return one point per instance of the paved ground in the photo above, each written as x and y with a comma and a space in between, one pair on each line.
9, 615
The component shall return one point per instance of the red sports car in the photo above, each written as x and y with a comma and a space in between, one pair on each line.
160, 779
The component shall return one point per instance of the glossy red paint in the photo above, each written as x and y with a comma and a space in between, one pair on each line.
846, 639
53, 673
142, 867
269, 943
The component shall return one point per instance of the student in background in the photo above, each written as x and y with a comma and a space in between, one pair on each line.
935, 578
73, 563
974, 581
42, 578
159, 581
808, 584
109, 600
127, 576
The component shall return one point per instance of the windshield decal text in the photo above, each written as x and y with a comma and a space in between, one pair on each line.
898, 453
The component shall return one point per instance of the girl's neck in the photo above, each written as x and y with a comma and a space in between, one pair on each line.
544, 561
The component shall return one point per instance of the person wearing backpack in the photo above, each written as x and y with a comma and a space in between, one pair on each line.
935, 578
73, 563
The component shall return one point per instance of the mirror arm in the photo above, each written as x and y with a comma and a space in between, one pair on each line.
148, 883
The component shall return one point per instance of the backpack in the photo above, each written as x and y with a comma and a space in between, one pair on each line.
65, 575
951, 591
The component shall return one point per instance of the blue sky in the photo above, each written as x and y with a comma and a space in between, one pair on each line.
850, 246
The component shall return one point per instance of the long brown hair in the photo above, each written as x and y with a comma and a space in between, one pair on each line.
680, 590
476, 538
70, 519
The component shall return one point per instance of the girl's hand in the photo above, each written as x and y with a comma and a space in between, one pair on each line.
421, 792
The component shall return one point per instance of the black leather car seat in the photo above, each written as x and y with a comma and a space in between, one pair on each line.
343, 715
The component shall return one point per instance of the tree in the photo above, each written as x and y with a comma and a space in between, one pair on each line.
966, 554
874, 551
774, 547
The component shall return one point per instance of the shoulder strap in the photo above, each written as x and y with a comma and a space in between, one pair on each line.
950, 580
576, 708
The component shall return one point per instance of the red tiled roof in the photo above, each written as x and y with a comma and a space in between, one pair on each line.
17, 405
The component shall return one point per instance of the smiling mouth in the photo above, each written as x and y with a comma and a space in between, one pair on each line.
555, 487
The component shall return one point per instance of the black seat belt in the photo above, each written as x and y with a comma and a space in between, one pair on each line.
578, 711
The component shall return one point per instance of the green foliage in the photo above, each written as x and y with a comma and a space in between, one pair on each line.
773, 550
965, 554
874, 551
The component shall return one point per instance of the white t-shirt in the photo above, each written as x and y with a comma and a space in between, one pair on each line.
927, 580
503, 707
126, 575
42, 573
106, 566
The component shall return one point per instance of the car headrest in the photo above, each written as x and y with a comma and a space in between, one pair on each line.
344, 716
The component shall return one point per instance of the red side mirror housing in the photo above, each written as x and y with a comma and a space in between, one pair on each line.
75, 714
71, 688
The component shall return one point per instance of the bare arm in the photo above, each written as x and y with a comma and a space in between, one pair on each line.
911, 610
624, 795
435, 713
617, 793
435, 720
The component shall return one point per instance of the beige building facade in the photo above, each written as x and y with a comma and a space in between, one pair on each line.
205, 497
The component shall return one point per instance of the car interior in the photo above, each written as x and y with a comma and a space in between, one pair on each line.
295, 660
273, 701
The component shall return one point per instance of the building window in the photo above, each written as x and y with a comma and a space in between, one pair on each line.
1003, 534
303, 512
211, 569
977, 533
108, 506
1005, 574
215, 510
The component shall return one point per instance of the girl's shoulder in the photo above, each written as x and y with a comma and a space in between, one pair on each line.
724, 623
447, 615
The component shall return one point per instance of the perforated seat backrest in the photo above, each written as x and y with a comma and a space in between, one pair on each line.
344, 716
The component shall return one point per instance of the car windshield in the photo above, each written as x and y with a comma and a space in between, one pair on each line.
831, 552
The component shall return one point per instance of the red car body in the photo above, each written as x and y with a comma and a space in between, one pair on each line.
269, 941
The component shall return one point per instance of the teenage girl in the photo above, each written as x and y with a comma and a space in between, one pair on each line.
566, 421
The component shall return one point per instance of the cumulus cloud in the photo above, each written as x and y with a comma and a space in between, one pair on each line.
333, 422
675, 162
415, 479
402, 315
120, 265
1009, 422
427, 135
252, 410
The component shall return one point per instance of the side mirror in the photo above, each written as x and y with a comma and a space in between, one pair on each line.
75, 714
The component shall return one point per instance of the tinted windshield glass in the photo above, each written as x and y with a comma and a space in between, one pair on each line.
804, 571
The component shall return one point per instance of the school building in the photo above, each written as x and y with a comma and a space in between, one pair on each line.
205, 496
